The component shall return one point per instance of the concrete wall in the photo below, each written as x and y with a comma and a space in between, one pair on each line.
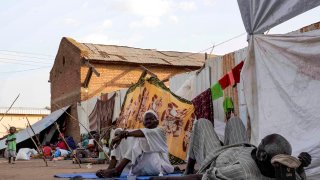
17, 120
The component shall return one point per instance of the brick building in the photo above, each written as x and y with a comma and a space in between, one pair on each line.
83, 70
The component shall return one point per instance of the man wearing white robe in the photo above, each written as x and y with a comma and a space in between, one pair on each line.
142, 152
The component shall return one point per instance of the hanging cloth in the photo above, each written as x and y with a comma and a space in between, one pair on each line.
203, 105
101, 116
228, 104
216, 91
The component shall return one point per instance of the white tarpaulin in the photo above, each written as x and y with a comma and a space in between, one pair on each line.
260, 15
84, 109
187, 90
281, 84
176, 81
37, 127
190, 85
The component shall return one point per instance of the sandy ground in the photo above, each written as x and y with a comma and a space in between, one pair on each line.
36, 169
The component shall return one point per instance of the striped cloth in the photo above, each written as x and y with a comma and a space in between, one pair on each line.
235, 132
232, 161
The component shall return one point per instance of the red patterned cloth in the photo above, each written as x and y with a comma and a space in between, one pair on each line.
203, 105
224, 81
231, 78
236, 72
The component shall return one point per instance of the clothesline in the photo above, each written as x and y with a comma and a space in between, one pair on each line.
203, 103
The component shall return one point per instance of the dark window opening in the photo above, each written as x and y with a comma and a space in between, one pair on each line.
63, 60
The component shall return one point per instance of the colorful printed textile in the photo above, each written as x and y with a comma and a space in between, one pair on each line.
176, 115
216, 91
203, 105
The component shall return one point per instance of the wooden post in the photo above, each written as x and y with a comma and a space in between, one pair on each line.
40, 149
148, 71
57, 126
10, 107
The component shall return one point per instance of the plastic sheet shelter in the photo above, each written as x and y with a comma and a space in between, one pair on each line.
37, 127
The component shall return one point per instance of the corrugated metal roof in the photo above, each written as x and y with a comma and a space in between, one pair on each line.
112, 53
23, 110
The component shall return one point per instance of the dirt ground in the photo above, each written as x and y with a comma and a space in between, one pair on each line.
36, 169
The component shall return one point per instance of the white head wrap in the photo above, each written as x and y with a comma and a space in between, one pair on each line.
152, 112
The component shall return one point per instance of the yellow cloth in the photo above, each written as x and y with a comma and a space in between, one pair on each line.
176, 115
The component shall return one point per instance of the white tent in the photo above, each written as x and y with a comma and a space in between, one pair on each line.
37, 127
281, 77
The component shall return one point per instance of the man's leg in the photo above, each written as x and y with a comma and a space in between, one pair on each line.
235, 132
127, 151
113, 172
203, 141
113, 163
14, 160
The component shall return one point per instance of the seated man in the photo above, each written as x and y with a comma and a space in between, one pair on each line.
90, 152
145, 150
236, 159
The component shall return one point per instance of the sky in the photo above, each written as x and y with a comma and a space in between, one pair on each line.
31, 31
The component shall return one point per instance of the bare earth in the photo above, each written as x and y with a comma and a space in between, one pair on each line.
35, 169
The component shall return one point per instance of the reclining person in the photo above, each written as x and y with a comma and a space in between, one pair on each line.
236, 159
144, 151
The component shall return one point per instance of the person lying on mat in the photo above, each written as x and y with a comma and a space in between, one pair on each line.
143, 151
235, 159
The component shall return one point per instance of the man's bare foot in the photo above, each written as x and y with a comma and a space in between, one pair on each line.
108, 173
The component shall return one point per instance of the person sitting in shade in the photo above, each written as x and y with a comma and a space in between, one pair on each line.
61, 144
235, 158
143, 151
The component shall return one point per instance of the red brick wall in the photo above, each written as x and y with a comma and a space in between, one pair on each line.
65, 84
117, 76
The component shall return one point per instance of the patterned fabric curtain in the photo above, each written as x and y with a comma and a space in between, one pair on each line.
176, 115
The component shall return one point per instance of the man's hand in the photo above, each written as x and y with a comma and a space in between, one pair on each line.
305, 159
115, 142
122, 134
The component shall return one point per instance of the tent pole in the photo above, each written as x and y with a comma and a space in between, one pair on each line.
10, 107
57, 126
73, 118
38, 149
37, 141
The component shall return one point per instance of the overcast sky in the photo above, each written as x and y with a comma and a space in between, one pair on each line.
31, 31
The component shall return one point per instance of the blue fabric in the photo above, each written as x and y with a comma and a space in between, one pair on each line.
57, 153
71, 143
93, 176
